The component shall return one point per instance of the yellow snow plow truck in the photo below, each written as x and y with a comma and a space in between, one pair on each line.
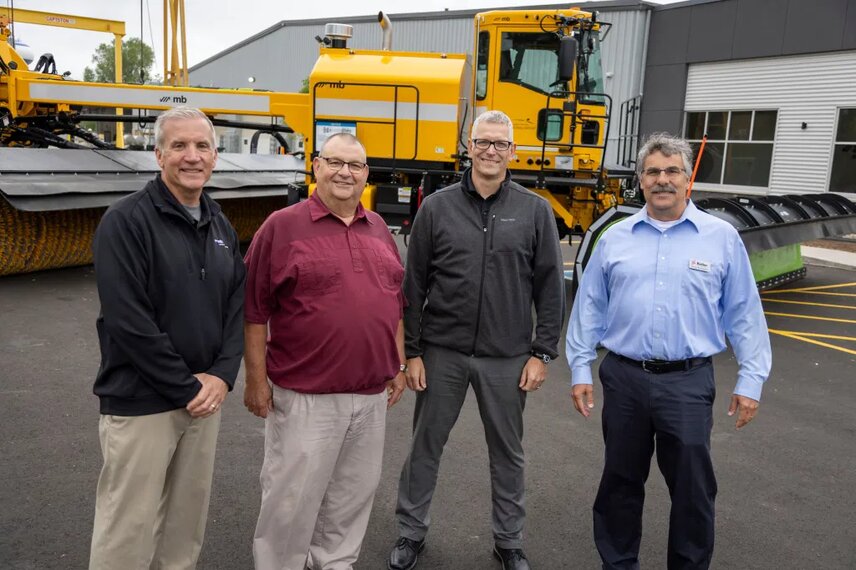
412, 110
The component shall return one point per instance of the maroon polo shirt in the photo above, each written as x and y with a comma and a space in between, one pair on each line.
331, 295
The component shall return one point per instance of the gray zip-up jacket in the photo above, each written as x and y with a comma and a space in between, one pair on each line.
476, 267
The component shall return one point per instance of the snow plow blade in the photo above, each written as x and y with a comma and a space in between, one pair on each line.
771, 227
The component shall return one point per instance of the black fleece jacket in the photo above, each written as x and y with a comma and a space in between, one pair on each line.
476, 268
172, 297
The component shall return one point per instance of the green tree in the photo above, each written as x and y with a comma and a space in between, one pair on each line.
135, 55
304, 87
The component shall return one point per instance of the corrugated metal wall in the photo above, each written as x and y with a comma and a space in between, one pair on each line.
804, 89
282, 56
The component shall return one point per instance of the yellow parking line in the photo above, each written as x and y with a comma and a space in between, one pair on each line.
815, 335
809, 304
817, 342
765, 293
848, 321
817, 288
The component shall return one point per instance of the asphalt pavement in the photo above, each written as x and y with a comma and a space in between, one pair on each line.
786, 482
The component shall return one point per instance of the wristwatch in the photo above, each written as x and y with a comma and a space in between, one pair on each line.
402, 368
543, 357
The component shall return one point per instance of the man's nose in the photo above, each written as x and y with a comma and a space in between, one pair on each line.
192, 153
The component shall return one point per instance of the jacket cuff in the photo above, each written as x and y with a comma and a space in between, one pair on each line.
543, 349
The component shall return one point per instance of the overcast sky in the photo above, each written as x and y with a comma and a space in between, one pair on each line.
212, 25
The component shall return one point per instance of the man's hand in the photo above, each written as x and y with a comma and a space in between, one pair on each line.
210, 396
394, 389
416, 374
258, 398
533, 375
583, 397
746, 408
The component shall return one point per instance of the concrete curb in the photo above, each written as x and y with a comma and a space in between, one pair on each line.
829, 258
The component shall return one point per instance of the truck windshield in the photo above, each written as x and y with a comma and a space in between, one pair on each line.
530, 59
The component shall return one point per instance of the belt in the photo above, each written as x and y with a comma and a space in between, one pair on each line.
664, 366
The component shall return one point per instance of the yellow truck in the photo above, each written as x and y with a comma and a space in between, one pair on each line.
412, 110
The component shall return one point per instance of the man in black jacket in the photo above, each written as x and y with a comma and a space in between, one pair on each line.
481, 254
171, 282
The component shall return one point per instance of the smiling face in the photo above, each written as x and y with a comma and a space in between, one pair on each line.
665, 195
490, 163
187, 158
340, 188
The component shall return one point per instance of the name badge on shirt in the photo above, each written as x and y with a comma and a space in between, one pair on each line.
697, 265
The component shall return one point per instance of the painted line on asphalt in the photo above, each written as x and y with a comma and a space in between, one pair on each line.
810, 304
810, 317
803, 338
816, 288
817, 335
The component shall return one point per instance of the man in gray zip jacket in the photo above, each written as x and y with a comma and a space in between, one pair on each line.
482, 252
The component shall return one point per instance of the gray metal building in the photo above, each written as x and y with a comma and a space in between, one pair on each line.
281, 57
771, 82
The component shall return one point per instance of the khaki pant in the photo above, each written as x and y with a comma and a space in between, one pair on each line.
323, 457
152, 500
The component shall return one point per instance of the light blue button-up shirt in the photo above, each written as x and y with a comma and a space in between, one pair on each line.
670, 295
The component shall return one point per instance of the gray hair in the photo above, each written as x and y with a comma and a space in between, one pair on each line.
496, 118
348, 137
180, 113
668, 145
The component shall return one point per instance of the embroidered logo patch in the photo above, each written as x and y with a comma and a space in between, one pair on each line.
220, 242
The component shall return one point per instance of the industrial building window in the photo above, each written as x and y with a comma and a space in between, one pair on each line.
739, 149
843, 177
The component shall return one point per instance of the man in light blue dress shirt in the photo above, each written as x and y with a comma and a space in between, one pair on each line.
662, 290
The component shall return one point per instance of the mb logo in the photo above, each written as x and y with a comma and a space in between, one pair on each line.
176, 99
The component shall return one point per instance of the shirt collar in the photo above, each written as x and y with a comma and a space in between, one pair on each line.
318, 210
691, 214
164, 199
468, 186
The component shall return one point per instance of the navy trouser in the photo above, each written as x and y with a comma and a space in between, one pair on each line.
672, 412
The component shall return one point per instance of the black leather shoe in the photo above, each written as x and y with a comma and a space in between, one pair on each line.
511, 558
405, 553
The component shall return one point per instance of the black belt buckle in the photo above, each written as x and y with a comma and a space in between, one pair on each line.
654, 366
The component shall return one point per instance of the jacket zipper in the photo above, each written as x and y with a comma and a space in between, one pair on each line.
481, 281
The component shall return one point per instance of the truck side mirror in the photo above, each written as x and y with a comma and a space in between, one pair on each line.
567, 57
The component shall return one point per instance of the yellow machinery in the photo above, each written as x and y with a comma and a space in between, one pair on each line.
412, 110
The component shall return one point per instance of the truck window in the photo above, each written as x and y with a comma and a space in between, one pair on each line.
530, 59
589, 69
481, 65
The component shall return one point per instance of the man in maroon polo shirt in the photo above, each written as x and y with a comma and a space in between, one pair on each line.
323, 323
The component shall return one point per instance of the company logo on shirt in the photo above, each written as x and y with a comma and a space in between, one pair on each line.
221, 243
507, 219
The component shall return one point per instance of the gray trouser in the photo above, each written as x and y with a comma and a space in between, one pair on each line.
501, 402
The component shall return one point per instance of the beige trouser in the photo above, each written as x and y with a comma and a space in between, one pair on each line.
152, 499
323, 457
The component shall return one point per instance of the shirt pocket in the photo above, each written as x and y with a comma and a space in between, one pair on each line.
389, 270
320, 276
700, 284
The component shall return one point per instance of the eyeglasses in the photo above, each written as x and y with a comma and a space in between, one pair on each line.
484, 144
671, 172
337, 165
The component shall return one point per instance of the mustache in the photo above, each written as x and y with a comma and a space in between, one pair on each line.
664, 188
